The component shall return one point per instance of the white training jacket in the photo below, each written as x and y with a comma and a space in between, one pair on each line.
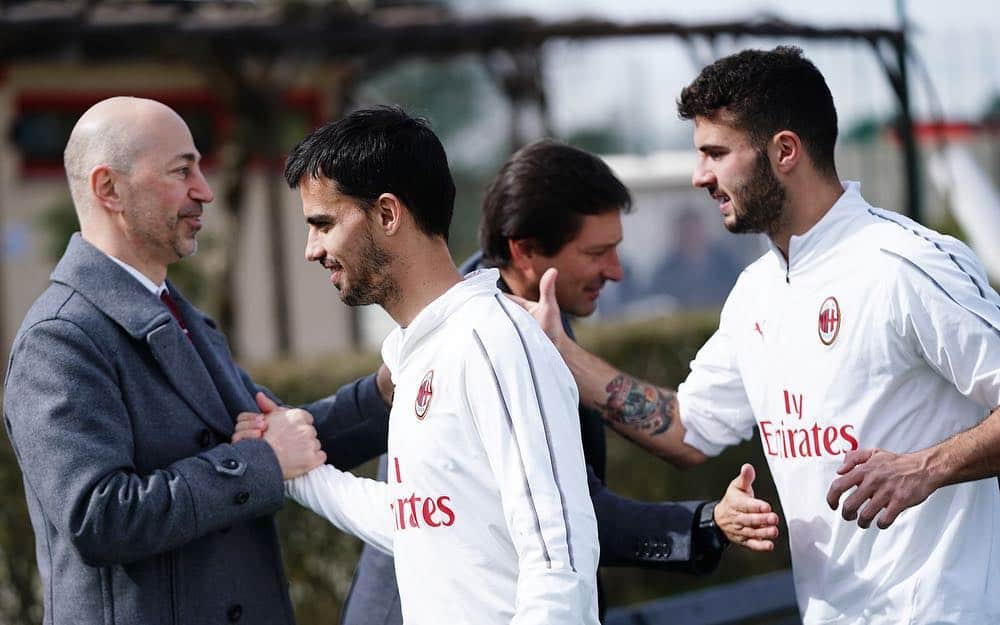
486, 508
877, 333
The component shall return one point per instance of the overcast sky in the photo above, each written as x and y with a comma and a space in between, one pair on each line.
634, 83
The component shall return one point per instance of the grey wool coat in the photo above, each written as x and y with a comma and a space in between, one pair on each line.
143, 513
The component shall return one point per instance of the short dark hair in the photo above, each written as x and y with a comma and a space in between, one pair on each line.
381, 150
542, 193
765, 92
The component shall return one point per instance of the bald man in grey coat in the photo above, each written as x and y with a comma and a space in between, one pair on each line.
121, 397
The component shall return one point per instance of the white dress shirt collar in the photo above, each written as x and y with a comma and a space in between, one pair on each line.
155, 289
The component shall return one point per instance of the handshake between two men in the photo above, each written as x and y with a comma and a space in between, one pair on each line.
289, 432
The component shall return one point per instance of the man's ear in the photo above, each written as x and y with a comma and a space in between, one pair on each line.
389, 213
105, 187
786, 151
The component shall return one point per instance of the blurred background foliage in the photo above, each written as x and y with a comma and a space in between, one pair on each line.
320, 559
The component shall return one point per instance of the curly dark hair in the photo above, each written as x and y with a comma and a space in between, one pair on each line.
542, 193
765, 92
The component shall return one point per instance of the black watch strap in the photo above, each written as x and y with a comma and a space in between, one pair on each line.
710, 532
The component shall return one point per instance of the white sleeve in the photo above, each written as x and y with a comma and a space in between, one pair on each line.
713, 402
945, 309
524, 404
356, 505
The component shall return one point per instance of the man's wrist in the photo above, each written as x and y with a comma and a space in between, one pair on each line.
937, 462
709, 531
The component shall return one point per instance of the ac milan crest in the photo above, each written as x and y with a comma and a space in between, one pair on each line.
829, 321
424, 394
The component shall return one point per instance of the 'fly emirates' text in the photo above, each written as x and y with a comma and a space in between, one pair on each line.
782, 439
415, 511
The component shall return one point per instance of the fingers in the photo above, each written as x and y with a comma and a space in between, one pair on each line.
547, 287
871, 509
764, 521
265, 403
744, 481
854, 458
246, 435
754, 531
319, 458
293, 438
891, 512
746, 520
748, 505
884, 483
754, 544
841, 485
249, 425
758, 533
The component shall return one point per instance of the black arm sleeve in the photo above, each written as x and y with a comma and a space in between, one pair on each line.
353, 425
663, 536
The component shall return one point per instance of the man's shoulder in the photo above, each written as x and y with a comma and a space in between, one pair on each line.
59, 318
899, 240
59, 303
500, 324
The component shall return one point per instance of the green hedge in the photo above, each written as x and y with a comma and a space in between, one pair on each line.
320, 560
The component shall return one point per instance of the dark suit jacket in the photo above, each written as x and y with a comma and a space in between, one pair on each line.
142, 511
632, 533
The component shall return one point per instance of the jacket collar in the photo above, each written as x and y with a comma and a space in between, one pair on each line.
475, 262
110, 288
192, 366
402, 342
809, 250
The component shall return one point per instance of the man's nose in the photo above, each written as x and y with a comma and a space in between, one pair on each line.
314, 251
201, 191
702, 177
613, 268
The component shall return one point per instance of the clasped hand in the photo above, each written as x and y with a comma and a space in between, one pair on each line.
289, 432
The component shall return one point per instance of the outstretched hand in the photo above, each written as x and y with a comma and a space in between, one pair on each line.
889, 482
744, 519
546, 309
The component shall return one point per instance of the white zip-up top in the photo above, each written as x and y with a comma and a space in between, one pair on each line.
486, 508
877, 333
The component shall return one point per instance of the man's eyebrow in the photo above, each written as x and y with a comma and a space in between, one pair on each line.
319, 220
188, 157
603, 246
711, 147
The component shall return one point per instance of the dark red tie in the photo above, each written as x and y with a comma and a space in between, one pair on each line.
169, 302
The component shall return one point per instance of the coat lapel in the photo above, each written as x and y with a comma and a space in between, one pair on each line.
182, 365
215, 357
120, 296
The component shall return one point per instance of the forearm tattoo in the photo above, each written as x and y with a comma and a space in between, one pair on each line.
641, 406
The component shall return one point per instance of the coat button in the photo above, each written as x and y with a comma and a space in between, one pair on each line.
234, 612
230, 464
205, 438
242, 497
